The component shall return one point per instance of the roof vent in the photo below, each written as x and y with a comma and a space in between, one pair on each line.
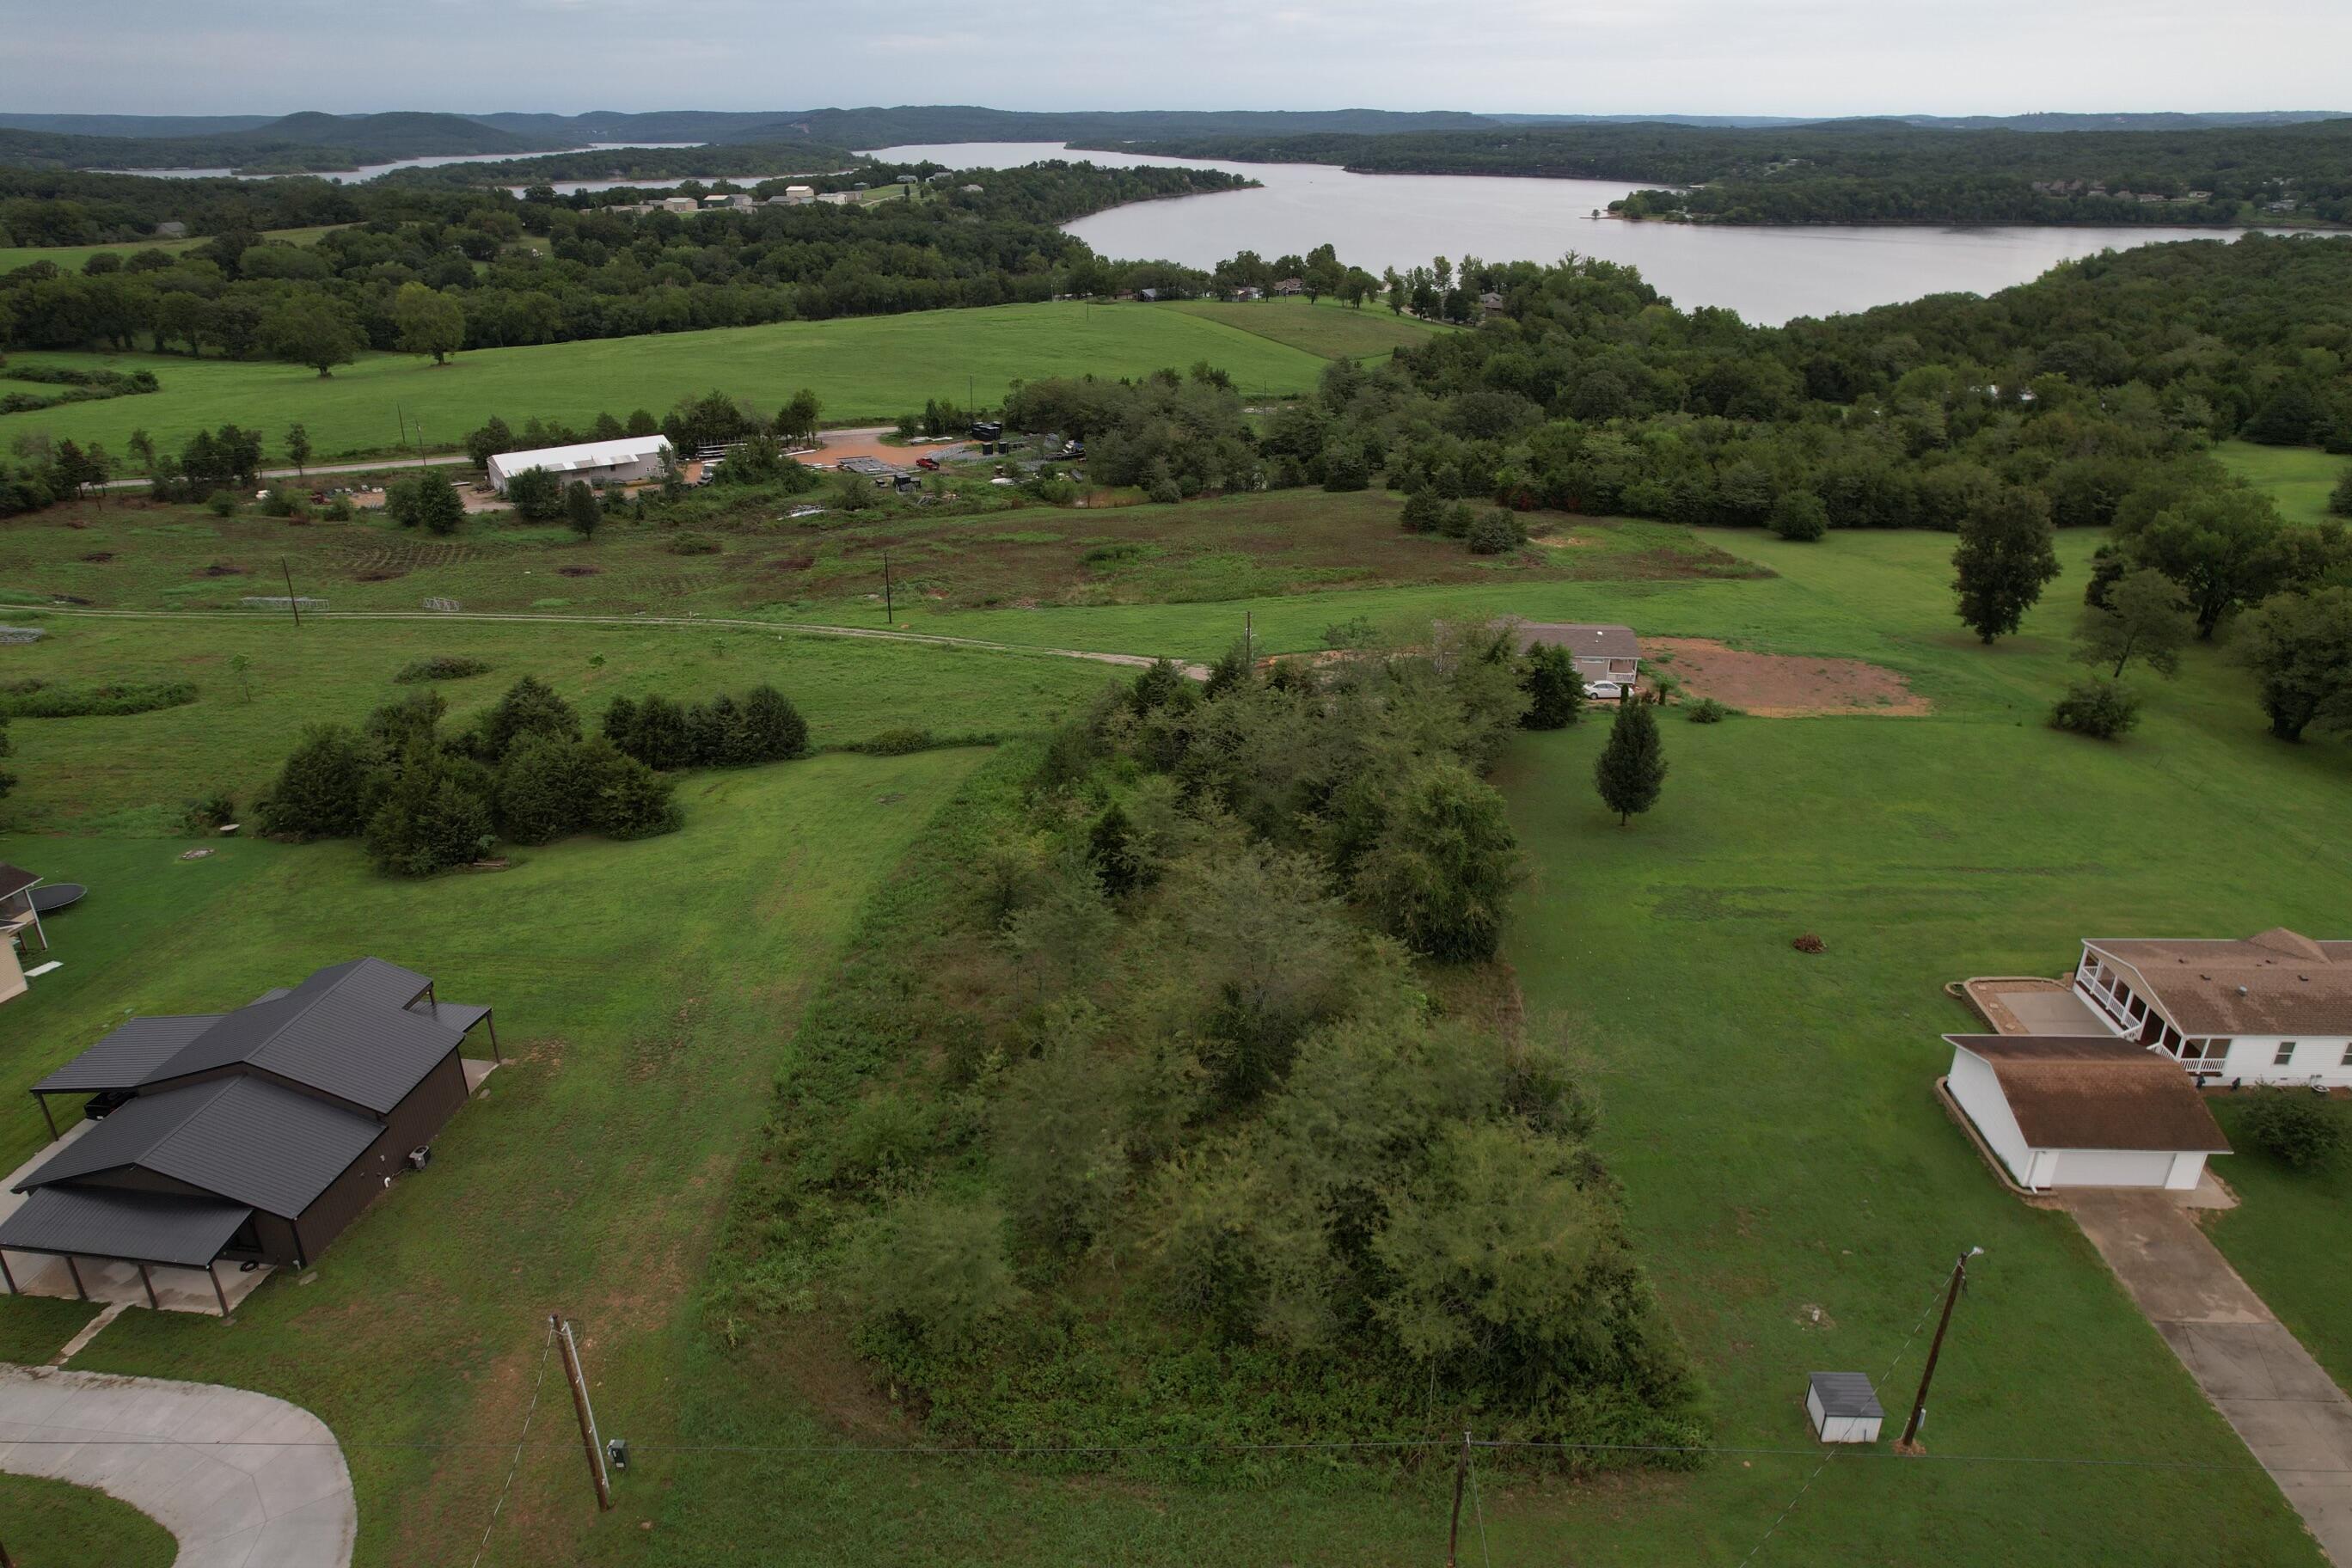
2241, 991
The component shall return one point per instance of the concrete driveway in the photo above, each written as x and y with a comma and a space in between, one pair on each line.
242, 1479
2294, 1419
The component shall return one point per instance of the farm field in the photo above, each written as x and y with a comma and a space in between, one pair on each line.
1324, 327
52, 1524
861, 368
1793, 1190
828, 567
70, 257
2298, 478
2287, 1238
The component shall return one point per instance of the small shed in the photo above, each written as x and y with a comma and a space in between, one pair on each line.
1843, 1407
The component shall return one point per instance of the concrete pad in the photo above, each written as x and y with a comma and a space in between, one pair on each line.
2290, 1415
182, 1454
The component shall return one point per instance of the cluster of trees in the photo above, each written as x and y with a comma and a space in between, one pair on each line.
723, 732
1176, 436
423, 801
1872, 171
1154, 1013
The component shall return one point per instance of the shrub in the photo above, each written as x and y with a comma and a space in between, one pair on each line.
895, 742
441, 666
2103, 709
530, 706
540, 794
33, 698
1800, 516
1706, 710
282, 501
1424, 511
208, 811
1495, 532
774, 727
655, 731
339, 509
1555, 690
691, 544
536, 495
936, 1271
222, 503
319, 789
1441, 873
581, 510
625, 798
433, 815
2299, 1128
427, 500
1163, 491
1809, 942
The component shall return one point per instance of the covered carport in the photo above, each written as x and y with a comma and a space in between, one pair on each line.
111, 1244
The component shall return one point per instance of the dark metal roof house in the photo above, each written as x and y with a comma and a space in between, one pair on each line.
255, 1135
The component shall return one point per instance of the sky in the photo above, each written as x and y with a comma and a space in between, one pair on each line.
1802, 57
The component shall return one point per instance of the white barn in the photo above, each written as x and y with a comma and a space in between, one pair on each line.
2275, 1007
1843, 1407
623, 460
2083, 1110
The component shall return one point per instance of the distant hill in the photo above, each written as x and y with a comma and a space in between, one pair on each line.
2150, 121
864, 128
134, 124
654, 126
308, 140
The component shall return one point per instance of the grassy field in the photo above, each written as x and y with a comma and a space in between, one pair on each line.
2289, 1237
69, 257
1326, 328
128, 555
865, 367
52, 1524
2298, 478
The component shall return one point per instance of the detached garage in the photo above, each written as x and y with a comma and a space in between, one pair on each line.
2065, 1111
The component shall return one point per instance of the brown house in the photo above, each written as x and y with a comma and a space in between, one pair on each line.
256, 1135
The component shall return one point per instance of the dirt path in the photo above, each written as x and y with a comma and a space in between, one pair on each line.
805, 628
2292, 1418
1782, 686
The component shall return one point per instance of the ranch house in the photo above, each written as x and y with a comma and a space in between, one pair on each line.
2273, 1008
1608, 658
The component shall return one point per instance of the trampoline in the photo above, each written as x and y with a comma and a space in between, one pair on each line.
59, 896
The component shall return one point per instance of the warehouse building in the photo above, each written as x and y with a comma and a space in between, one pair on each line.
626, 460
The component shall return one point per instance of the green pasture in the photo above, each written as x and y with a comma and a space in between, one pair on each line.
70, 257
1326, 328
2298, 478
55, 1524
2288, 1236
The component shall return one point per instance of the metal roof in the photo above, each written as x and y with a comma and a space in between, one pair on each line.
345, 1031
1584, 639
1845, 1393
244, 1139
128, 1056
583, 455
145, 1227
15, 880
461, 1015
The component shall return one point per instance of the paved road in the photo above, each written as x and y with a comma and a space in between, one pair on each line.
2295, 1421
242, 1479
805, 628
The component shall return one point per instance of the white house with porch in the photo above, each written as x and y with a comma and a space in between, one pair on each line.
2273, 1008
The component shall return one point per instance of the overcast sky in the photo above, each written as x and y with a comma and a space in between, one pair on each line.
1691, 57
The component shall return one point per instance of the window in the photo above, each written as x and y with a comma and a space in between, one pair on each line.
2347, 1057
2285, 1057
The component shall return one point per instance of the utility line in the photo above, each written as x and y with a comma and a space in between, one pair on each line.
516, 1463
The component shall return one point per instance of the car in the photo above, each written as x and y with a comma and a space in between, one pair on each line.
927, 462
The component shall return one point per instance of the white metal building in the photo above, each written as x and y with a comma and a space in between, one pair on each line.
2083, 1110
1843, 1407
2275, 1007
623, 461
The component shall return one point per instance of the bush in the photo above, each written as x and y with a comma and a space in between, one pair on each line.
581, 510
33, 698
691, 544
440, 667
1495, 532
536, 495
434, 814
2297, 1127
427, 500
1800, 516
282, 501
541, 792
209, 812
1424, 512
774, 727
339, 509
1164, 492
895, 743
1555, 690
222, 503
319, 790
530, 706
2101, 709
1706, 711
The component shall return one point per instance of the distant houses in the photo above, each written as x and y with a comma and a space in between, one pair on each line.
1289, 286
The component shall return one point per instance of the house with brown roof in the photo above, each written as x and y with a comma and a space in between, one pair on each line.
2274, 1007
1608, 656
2083, 1110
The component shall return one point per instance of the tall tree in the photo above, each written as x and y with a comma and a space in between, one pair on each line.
581, 510
1632, 768
2143, 618
2299, 646
2007, 555
2226, 549
430, 322
298, 445
1554, 687
311, 332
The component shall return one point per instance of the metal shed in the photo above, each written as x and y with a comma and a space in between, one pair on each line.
1843, 1407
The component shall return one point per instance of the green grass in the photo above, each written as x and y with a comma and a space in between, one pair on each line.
867, 367
70, 257
2298, 478
1770, 1113
54, 1524
1327, 327
2289, 1237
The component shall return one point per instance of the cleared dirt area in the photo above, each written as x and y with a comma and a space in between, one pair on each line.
1780, 686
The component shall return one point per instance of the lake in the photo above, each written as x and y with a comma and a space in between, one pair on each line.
1377, 221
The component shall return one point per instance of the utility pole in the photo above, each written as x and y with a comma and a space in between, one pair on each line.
292, 605
1461, 1469
1249, 640
889, 611
1910, 1443
420, 443
579, 1407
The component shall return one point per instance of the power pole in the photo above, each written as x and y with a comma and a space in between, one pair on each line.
1910, 1443
1249, 640
292, 605
889, 611
579, 1407
1461, 1469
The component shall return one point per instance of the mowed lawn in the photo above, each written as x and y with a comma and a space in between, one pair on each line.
71, 258
2299, 479
54, 1524
861, 368
644, 993
1796, 1191
1324, 327
2290, 1236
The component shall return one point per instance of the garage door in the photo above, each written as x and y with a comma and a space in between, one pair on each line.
2111, 1168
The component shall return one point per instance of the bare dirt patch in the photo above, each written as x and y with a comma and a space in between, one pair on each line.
1781, 686
578, 571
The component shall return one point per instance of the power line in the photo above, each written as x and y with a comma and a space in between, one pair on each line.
516, 1463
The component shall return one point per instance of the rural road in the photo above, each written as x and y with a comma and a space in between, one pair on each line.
2294, 1418
382, 464
242, 1479
802, 628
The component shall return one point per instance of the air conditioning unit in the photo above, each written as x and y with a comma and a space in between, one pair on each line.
420, 1156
